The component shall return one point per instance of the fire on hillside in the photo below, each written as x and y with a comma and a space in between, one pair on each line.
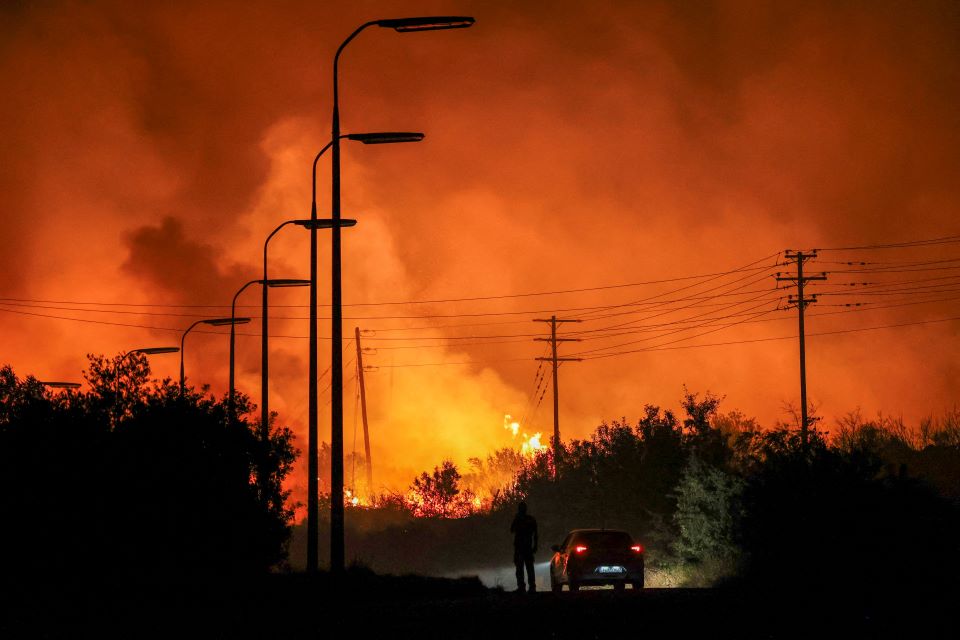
448, 493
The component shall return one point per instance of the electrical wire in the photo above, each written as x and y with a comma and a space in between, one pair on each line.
683, 329
793, 337
747, 267
412, 302
899, 245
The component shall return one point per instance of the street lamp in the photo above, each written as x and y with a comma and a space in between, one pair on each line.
147, 351
385, 137
277, 282
427, 23
213, 322
423, 23
264, 333
382, 137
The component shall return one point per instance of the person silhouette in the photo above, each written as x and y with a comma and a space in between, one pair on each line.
525, 539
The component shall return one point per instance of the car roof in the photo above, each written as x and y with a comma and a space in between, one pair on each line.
572, 531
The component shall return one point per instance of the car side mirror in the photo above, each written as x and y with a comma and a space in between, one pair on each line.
555, 547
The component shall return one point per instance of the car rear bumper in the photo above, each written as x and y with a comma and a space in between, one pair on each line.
594, 574
605, 578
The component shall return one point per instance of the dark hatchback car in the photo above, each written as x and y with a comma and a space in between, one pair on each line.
590, 557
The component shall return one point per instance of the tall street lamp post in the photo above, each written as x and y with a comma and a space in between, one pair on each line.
264, 326
382, 137
402, 25
213, 322
276, 282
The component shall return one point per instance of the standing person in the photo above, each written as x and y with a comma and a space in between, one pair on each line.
525, 539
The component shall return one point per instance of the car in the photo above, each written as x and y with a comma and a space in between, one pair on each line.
596, 557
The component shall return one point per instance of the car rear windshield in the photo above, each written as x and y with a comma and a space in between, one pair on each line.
605, 539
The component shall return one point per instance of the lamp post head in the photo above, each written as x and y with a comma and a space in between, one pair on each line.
149, 351
426, 23
60, 385
287, 282
325, 223
220, 322
386, 137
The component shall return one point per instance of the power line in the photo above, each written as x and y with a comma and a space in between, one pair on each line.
907, 244
425, 316
405, 365
537, 381
747, 267
683, 329
900, 245
699, 301
886, 283
584, 333
893, 266
412, 302
593, 334
752, 340
699, 322
694, 346
894, 292
387, 317
674, 310
897, 270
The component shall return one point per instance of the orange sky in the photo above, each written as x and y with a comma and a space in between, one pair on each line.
147, 154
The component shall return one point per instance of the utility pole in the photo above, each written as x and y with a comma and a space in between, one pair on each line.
553, 340
801, 303
363, 406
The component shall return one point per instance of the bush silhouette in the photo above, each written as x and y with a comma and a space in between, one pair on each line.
145, 484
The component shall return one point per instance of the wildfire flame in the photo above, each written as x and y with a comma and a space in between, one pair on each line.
351, 500
530, 445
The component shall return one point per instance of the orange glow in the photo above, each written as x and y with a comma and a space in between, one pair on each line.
148, 154
351, 500
530, 445
464, 505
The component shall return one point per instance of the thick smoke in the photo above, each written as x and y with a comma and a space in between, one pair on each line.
148, 153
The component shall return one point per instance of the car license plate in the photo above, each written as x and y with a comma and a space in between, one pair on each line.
610, 569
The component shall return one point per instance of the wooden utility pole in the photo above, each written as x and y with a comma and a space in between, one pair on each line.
363, 407
553, 340
801, 303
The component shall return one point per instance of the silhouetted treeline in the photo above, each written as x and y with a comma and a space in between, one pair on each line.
714, 497
131, 480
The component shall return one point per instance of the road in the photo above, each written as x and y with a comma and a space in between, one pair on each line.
505, 577
366, 605
663, 613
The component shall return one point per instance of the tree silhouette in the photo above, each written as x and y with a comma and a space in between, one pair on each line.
439, 495
143, 483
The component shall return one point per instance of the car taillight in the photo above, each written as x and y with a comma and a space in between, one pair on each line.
579, 548
637, 548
